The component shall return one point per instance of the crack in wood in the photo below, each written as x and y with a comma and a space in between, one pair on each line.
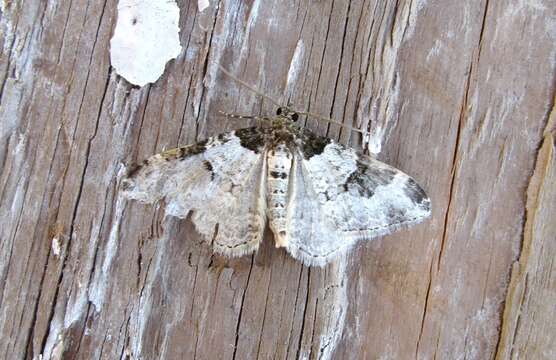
241, 308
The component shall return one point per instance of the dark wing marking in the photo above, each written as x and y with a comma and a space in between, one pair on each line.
345, 197
220, 179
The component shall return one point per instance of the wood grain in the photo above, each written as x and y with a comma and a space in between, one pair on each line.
528, 330
457, 94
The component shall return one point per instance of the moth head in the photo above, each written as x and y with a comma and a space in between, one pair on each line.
287, 113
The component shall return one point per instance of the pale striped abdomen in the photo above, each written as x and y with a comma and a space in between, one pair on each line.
279, 165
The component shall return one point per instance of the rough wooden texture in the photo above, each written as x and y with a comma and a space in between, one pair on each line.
456, 93
529, 329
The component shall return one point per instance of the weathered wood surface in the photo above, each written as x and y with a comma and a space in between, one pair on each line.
458, 94
529, 329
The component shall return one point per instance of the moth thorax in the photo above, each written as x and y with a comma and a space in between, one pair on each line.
279, 162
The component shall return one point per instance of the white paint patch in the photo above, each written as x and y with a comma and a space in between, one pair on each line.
24, 51
435, 50
389, 353
98, 288
202, 5
142, 310
56, 246
77, 305
10, 111
53, 339
21, 142
387, 108
55, 353
336, 304
145, 39
551, 28
527, 6
217, 46
415, 8
251, 21
482, 330
378, 107
58, 351
295, 67
375, 141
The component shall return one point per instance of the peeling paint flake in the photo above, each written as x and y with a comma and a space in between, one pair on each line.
203, 4
295, 69
145, 39
56, 246
374, 141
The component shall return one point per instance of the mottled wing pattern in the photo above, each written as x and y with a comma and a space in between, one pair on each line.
339, 197
220, 179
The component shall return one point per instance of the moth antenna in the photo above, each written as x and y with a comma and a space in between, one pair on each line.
236, 116
366, 133
248, 86
335, 122
250, 117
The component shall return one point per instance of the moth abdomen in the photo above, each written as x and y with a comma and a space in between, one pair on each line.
279, 166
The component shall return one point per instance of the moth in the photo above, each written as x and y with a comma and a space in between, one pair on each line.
318, 197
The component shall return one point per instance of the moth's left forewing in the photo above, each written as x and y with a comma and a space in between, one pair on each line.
389, 199
353, 197
370, 197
